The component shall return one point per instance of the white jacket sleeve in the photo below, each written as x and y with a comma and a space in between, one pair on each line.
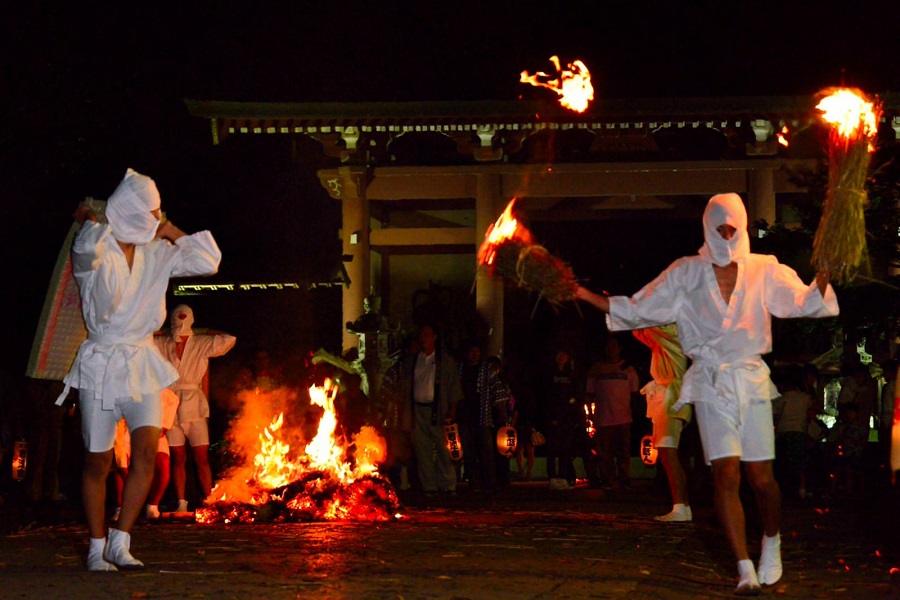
655, 304
788, 297
198, 255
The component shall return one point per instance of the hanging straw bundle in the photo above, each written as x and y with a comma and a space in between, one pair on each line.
509, 250
839, 246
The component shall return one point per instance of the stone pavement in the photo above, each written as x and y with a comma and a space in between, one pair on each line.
523, 542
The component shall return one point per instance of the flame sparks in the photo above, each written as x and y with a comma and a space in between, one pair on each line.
573, 85
850, 112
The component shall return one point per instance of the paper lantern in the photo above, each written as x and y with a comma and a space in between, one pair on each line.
19, 460
454, 445
506, 441
648, 450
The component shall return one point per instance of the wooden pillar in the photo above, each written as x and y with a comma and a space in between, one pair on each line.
355, 243
488, 290
761, 196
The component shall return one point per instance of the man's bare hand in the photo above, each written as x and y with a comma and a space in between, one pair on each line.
84, 213
168, 231
600, 302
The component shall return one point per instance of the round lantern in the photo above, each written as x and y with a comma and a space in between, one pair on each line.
506, 441
648, 450
454, 445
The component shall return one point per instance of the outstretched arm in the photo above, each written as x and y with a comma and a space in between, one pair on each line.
599, 301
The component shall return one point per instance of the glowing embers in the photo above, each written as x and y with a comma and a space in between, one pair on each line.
573, 84
329, 480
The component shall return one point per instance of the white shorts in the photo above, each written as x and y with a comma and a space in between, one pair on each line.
724, 432
98, 426
196, 432
667, 431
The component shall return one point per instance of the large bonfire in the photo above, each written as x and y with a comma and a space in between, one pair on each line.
281, 479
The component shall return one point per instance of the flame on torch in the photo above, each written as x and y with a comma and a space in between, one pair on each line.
850, 112
506, 227
573, 85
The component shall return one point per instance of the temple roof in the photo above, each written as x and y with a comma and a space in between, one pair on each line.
497, 130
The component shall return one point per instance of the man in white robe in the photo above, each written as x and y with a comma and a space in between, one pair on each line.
122, 269
722, 301
190, 352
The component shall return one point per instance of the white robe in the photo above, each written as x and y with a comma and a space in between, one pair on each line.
724, 341
192, 367
122, 308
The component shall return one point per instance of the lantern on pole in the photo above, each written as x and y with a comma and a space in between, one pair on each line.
648, 450
506, 441
451, 435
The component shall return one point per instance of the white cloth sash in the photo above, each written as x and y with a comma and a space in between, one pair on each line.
119, 352
737, 383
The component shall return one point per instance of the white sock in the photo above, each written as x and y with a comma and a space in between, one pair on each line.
748, 585
770, 569
681, 513
182, 505
118, 550
152, 511
95, 560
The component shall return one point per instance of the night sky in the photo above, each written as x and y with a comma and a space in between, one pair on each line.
88, 92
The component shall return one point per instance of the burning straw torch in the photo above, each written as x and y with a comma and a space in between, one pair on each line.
509, 250
840, 243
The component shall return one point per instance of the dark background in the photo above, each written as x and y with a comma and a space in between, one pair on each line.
88, 91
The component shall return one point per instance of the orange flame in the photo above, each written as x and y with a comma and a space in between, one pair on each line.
782, 136
573, 84
850, 112
273, 469
506, 227
327, 457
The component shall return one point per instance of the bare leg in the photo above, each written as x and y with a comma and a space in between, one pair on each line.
204, 472
529, 456
768, 499
160, 479
768, 494
727, 482
675, 475
93, 490
144, 442
120, 475
681, 508
179, 456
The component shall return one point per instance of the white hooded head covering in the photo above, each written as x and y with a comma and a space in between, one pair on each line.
181, 321
129, 206
725, 209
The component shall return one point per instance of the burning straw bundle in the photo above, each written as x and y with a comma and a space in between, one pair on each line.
840, 243
509, 250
